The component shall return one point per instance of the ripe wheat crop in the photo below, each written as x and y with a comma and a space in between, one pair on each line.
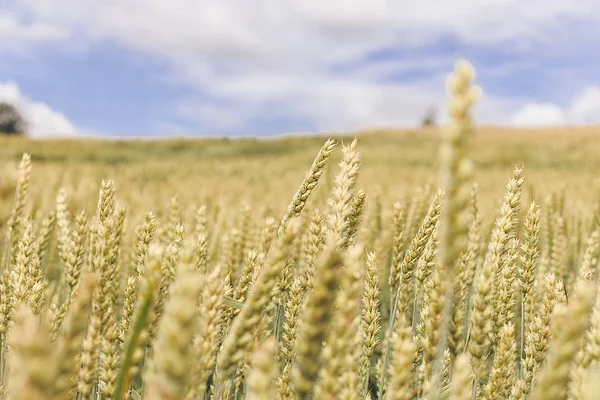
339, 292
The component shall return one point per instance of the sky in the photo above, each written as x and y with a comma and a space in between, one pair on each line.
262, 67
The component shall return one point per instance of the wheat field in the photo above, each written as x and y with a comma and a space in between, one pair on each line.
457, 262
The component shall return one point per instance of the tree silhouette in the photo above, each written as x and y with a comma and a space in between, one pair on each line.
11, 120
429, 119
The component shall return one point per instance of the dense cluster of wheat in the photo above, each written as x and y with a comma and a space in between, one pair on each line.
325, 302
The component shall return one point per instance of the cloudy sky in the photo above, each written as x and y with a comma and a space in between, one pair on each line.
158, 67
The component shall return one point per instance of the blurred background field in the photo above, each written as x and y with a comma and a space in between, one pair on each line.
395, 163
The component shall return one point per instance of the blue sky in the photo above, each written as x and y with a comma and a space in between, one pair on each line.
212, 67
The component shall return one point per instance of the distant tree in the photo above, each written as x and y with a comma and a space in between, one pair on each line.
11, 120
429, 119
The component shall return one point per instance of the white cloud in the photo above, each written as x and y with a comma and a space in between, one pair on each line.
281, 57
538, 114
345, 103
13, 31
42, 119
309, 30
583, 109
